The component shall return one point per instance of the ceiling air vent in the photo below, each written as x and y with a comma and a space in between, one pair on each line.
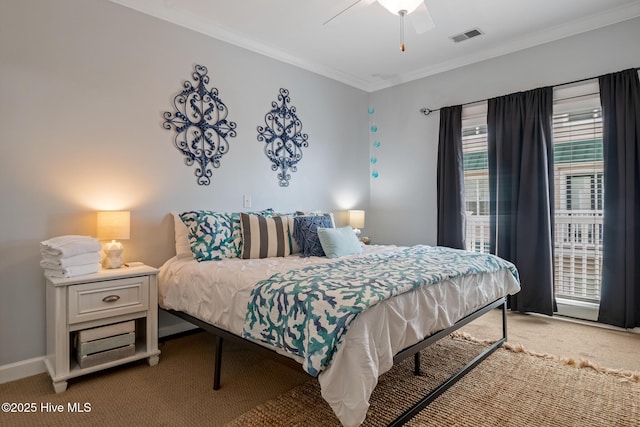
466, 35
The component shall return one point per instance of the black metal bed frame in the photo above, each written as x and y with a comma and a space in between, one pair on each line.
414, 350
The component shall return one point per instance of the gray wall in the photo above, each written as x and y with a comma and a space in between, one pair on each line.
403, 198
83, 85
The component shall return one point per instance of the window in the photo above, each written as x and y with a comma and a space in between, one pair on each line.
578, 167
578, 186
476, 176
476, 194
584, 192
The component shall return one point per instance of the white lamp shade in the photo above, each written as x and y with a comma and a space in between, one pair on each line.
395, 6
113, 225
356, 218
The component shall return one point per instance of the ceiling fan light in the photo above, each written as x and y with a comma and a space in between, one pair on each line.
395, 6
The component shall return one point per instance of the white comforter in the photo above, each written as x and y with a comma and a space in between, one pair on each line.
217, 292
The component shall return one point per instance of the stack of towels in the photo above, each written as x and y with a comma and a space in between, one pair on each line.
70, 256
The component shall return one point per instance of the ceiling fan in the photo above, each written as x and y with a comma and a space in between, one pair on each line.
420, 17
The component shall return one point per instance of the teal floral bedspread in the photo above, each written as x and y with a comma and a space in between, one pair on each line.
306, 311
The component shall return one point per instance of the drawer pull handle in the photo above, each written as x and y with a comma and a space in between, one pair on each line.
111, 298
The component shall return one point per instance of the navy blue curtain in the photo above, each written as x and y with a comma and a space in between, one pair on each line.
520, 151
451, 210
620, 297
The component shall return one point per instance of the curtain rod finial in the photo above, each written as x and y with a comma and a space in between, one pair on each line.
426, 111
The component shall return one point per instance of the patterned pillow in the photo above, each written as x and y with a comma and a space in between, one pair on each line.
306, 235
215, 235
317, 213
212, 235
264, 237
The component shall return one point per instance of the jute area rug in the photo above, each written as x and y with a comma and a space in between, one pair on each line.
512, 387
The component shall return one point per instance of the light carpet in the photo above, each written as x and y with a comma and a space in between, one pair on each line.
512, 387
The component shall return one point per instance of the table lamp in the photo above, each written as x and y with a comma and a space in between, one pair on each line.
356, 220
113, 225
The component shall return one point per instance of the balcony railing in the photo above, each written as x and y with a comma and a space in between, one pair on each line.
578, 250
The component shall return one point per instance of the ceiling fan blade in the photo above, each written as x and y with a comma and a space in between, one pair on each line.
345, 11
421, 19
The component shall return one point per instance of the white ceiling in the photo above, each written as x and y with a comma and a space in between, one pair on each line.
362, 47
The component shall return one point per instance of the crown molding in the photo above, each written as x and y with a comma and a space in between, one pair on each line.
163, 11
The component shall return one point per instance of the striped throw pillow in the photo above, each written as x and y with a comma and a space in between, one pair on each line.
295, 249
264, 237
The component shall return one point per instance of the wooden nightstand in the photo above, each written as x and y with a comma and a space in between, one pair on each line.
116, 297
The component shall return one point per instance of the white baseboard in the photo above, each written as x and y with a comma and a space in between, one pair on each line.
586, 313
577, 309
22, 369
26, 368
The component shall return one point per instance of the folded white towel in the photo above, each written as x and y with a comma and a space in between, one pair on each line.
61, 240
69, 248
73, 271
58, 263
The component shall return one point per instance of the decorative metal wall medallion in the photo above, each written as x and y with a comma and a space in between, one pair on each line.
283, 138
202, 128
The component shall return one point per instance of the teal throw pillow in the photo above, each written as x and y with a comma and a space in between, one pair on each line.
212, 235
338, 242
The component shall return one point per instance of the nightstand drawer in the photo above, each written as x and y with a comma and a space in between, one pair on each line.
100, 300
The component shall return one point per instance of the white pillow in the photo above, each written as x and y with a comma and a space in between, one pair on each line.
183, 249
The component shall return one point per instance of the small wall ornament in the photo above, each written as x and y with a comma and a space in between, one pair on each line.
202, 128
283, 138
375, 144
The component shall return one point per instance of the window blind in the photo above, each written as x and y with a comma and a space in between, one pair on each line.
476, 176
578, 169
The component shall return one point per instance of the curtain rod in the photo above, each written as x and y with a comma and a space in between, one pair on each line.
427, 111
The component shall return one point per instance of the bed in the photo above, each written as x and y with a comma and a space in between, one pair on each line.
223, 297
